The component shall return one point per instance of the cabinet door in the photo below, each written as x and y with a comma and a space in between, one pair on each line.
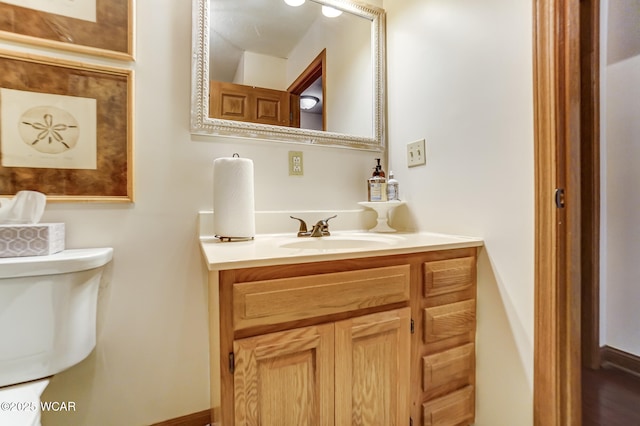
285, 378
246, 103
229, 101
372, 369
271, 107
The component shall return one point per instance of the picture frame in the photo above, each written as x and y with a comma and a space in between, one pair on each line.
99, 27
66, 129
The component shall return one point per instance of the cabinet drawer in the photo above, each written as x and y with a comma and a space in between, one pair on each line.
454, 319
456, 408
289, 299
448, 276
451, 368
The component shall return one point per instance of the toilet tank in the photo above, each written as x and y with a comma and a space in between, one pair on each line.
48, 312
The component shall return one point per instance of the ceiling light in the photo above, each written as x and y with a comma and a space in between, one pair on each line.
330, 12
294, 2
308, 102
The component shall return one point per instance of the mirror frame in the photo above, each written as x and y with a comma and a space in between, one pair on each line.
202, 124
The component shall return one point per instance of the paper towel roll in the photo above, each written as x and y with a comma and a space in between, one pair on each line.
233, 200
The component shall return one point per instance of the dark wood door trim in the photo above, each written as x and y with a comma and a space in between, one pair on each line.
557, 243
590, 180
316, 69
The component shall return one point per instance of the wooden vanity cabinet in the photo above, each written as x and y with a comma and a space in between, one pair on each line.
444, 341
355, 369
285, 378
331, 343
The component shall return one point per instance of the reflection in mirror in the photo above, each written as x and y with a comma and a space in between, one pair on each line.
257, 65
272, 45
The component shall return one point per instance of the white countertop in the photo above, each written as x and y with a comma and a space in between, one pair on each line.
284, 249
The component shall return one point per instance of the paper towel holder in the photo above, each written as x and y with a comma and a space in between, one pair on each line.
241, 234
232, 239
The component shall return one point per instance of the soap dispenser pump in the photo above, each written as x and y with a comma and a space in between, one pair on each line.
378, 169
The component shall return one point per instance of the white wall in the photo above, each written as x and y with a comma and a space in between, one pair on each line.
620, 173
309, 120
460, 76
151, 361
348, 95
264, 71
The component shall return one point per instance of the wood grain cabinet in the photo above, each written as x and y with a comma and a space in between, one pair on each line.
445, 345
246, 103
354, 371
373, 341
285, 378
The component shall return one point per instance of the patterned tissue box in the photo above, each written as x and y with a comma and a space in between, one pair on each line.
38, 239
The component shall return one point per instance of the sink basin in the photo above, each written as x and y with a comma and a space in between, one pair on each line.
340, 242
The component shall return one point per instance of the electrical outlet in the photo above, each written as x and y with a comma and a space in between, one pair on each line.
295, 163
416, 154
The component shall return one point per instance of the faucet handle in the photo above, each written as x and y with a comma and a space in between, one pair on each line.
325, 222
303, 225
322, 227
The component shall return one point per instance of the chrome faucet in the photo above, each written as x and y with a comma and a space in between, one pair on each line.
320, 229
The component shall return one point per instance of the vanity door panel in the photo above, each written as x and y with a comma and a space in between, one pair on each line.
372, 369
285, 378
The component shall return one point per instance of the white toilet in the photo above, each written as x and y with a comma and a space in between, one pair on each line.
47, 323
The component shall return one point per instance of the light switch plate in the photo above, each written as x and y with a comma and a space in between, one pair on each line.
416, 154
295, 163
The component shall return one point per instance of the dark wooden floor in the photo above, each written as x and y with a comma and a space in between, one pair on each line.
610, 398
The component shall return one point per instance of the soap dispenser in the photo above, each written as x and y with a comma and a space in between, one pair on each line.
377, 184
392, 188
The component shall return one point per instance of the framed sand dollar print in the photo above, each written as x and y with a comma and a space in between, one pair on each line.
65, 131
98, 27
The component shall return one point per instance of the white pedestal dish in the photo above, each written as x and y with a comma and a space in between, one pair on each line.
382, 208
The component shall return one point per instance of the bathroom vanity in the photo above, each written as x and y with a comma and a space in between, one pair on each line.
354, 328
